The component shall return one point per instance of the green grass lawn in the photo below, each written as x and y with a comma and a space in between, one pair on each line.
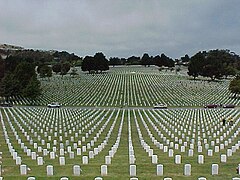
133, 86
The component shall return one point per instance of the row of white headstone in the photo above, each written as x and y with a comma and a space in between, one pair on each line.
53, 154
111, 153
187, 170
177, 145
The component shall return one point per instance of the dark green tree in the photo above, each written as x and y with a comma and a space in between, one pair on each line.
65, 67
234, 86
96, 63
56, 68
196, 64
9, 86
115, 61
15, 81
23, 73
146, 60
101, 62
88, 64
2, 68
133, 60
45, 71
32, 90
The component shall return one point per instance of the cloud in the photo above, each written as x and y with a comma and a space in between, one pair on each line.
120, 27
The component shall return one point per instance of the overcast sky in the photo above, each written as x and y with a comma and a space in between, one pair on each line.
122, 27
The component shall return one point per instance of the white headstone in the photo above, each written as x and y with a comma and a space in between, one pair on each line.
190, 152
39, 161
76, 170
107, 160
71, 155
187, 169
200, 159
210, 152
18, 160
178, 159
91, 154
150, 152
52, 155
223, 158
199, 148
170, 153
159, 170
154, 159
64, 178
103, 170
202, 178
62, 161
216, 149
45, 152
29, 152
182, 148
79, 151
34, 155
23, 169
98, 178
229, 152
214, 169
49, 170
133, 170
85, 159
31, 178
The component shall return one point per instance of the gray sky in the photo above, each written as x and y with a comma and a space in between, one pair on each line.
122, 27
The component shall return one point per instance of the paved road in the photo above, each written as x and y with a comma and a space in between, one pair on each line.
125, 108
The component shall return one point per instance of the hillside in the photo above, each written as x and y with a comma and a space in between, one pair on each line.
10, 47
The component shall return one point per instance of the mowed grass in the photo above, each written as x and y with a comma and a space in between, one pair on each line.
119, 167
133, 86
126, 86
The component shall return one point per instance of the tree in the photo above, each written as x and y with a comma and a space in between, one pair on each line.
45, 71
115, 61
32, 90
196, 64
133, 60
23, 73
214, 64
101, 62
88, 64
65, 67
146, 60
9, 86
15, 81
2, 68
56, 68
96, 63
234, 86
163, 60
185, 59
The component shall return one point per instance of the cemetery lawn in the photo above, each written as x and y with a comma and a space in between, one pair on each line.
111, 114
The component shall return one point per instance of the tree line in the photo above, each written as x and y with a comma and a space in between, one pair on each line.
18, 78
216, 64
145, 60
18, 72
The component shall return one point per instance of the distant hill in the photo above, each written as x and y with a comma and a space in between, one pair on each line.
6, 49
36, 55
10, 47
